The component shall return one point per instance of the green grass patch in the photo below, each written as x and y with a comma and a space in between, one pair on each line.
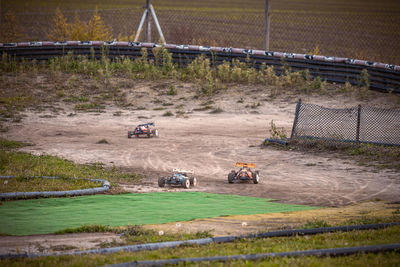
41, 216
27, 165
8, 144
33, 184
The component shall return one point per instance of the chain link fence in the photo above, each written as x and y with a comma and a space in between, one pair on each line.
350, 125
342, 28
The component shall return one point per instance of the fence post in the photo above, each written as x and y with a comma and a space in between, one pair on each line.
148, 24
266, 26
296, 116
358, 124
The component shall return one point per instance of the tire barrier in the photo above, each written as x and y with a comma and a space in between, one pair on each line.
383, 77
277, 141
205, 241
330, 252
89, 191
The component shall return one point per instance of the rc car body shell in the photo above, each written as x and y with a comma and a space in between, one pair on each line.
178, 178
146, 129
245, 173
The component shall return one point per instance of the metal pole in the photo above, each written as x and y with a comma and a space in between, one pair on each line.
296, 117
148, 24
266, 26
139, 30
358, 124
153, 13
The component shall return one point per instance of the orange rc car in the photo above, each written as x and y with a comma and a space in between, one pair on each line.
244, 173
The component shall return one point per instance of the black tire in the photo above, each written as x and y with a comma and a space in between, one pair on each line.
129, 135
186, 183
161, 182
256, 178
155, 133
193, 181
231, 177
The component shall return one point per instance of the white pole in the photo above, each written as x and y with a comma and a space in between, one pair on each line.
153, 13
139, 30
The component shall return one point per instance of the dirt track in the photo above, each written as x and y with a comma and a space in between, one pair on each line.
210, 144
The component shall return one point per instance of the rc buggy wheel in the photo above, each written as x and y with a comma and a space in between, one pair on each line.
155, 133
186, 183
256, 177
129, 134
231, 177
161, 182
193, 181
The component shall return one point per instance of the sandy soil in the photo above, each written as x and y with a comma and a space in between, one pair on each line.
209, 144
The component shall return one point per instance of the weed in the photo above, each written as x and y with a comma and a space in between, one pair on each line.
207, 107
102, 141
172, 90
167, 104
364, 78
168, 114
207, 103
277, 133
60, 93
396, 212
255, 105
217, 110
316, 84
180, 113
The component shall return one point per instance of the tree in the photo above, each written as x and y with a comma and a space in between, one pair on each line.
61, 30
9, 29
79, 29
97, 30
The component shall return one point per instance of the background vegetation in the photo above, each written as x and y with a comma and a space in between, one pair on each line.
363, 29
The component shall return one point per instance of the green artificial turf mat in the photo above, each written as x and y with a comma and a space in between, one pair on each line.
48, 215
